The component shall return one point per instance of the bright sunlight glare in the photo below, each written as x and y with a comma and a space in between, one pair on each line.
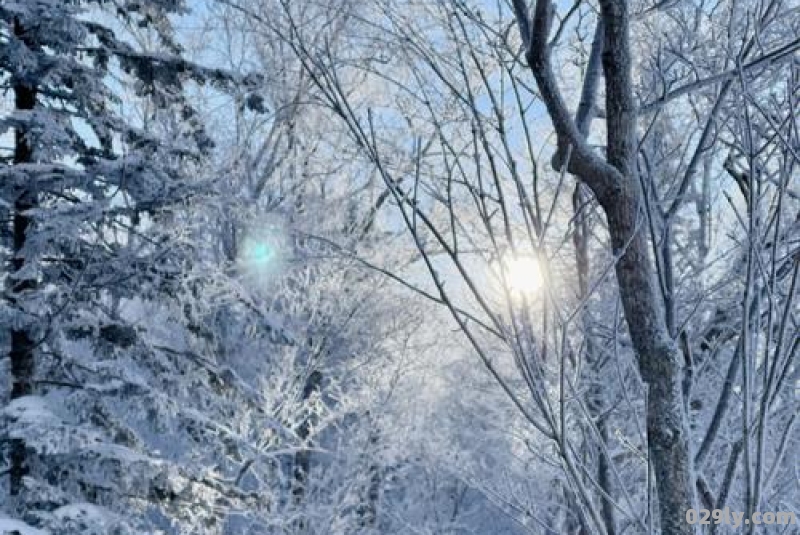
521, 275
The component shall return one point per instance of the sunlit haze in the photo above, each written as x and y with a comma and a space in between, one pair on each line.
520, 275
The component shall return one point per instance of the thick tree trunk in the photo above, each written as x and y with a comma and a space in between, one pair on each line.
22, 343
660, 364
660, 361
614, 182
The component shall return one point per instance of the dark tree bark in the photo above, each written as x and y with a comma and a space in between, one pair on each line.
21, 353
368, 509
302, 459
615, 185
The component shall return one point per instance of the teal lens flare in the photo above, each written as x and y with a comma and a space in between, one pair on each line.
260, 253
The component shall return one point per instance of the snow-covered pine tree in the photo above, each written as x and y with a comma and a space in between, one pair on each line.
102, 428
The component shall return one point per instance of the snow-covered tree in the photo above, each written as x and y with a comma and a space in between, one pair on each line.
650, 116
104, 147
255, 305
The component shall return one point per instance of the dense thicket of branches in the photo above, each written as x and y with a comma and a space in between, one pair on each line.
398, 267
